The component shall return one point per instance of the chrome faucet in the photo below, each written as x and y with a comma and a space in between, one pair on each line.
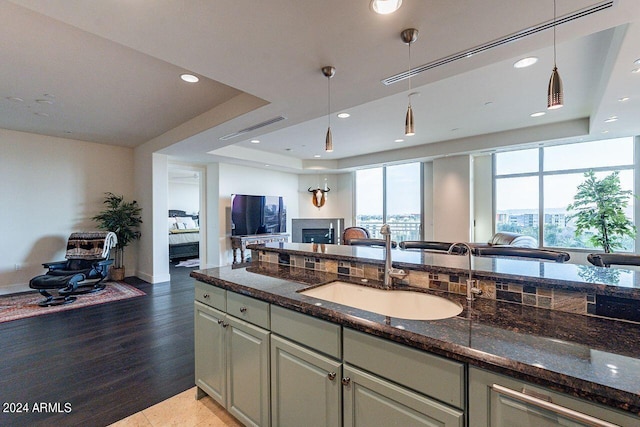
389, 272
472, 290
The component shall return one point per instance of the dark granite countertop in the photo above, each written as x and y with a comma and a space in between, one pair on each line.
589, 357
618, 282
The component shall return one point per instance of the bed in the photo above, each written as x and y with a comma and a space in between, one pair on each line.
184, 235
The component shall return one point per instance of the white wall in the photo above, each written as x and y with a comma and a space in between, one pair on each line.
234, 179
185, 197
483, 198
452, 199
427, 186
339, 202
49, 188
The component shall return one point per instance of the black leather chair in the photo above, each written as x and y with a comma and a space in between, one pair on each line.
86, 266
370, 242
514, 251
432, 246
607, 260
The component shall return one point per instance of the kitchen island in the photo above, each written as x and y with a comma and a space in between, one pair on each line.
590, 358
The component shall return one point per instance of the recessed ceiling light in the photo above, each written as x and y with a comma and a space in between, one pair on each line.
267, 166
385, 7
635, 70
399, 140
343, 115
623, 99
255, 141
455, 129
611, 119
44, 101
538, 114
189, 78
605, 131
637, 61
488, 103
15, 99
316, 155
525, 62
49, 95
38, 113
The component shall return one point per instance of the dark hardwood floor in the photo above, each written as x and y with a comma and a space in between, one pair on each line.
93, 366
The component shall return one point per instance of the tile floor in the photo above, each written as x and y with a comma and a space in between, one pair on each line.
181, 410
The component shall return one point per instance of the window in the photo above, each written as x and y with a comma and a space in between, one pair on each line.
391, 195
541, 183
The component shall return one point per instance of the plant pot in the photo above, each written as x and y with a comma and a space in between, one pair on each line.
116, 274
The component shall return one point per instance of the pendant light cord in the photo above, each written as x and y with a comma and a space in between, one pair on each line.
554, 33
410, 73
329, 103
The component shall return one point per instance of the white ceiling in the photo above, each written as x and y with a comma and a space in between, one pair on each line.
113, 68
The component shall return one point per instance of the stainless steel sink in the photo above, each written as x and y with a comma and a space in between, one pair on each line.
394, 303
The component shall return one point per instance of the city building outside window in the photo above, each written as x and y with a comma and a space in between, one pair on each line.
392, 195
534, 187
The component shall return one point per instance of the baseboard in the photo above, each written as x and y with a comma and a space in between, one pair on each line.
14, 288
153, 279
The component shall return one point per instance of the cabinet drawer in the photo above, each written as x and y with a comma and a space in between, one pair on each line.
423, 372
496, 400
211, 295
315, 333
248, 309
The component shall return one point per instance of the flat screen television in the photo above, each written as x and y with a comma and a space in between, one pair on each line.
257, 215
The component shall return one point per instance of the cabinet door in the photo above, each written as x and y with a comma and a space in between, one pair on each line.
247, 372
210, 366
371, 401
498, 401
305, 386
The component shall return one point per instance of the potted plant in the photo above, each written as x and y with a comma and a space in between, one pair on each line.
599, 206
122, 218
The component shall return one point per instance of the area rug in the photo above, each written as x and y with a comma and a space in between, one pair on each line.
19, 306
189, 263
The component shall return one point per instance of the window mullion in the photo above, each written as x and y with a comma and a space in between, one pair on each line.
540, 197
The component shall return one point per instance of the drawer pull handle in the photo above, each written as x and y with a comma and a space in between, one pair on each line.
220, 321
205, 296
225, 324
331, 376
346, 381
544, 404
243, 309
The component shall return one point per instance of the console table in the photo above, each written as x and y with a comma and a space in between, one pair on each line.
241, 242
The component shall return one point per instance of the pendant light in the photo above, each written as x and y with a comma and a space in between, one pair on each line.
328, 72
409, 36
555, 97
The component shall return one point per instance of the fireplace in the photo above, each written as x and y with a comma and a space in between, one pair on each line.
317, 228
318, 235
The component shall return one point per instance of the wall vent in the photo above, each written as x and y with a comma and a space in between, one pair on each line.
499, 42
252, 128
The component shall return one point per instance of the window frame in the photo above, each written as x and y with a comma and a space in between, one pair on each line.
541, 174
384, 195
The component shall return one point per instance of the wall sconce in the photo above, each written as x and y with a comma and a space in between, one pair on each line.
319, 196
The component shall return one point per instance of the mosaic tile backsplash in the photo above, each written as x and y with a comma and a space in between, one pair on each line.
553, 299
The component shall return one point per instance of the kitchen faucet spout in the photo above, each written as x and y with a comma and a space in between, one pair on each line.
389, 271
472, 290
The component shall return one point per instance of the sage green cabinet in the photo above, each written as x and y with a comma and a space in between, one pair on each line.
305, 386
499, 401
210, 363
375, 402
232, 361
247, 372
